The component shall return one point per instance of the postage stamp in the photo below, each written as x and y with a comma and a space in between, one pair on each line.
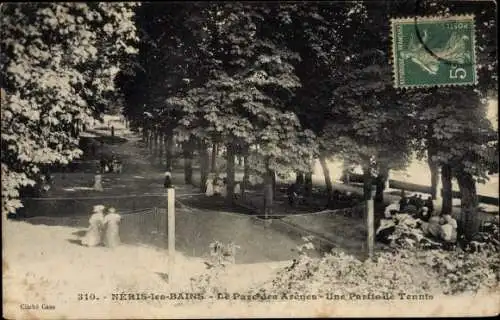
434, 51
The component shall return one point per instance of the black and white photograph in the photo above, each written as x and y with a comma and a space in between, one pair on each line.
249, 159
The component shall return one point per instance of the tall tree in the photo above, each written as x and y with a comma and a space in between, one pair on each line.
60, 61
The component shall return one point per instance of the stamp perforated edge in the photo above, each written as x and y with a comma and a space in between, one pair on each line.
393, 61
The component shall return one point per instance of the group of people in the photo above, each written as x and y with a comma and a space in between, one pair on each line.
218, 187
103, 228
432, 223
416, 204
112, 165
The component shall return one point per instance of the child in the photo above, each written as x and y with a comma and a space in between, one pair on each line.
112, 235
96, 221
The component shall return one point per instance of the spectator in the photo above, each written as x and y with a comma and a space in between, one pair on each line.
386, 228
93, 236
413, 201
424, 214
112, 235
403, 202
420, 202
448, 231
223, 187
217, 184
209, 187
98, 182
429, 204
391, 209
434, 226
237, 190
168, 180
292, 194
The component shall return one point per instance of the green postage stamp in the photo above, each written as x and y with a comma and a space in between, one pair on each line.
434, 51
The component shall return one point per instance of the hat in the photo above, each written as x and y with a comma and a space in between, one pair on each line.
111, 210
99, 207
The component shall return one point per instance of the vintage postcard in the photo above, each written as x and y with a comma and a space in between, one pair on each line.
168, 160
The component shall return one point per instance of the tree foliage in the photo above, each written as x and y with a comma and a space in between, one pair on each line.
60, 61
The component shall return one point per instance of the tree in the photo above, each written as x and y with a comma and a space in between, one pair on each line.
451, 123
243, 103
60, 62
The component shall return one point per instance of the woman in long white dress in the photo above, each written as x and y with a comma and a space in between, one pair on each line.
111, 225
98, 182
209, 187
93, 236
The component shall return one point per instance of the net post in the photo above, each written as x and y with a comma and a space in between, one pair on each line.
171, 233
370, 211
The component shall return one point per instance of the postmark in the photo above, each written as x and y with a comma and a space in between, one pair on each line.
433, 51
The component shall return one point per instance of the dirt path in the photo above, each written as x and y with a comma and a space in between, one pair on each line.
70, 202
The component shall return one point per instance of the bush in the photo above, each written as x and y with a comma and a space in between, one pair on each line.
393, 270
221, 255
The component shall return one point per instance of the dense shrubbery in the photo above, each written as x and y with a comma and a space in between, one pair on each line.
404, 270
393, 270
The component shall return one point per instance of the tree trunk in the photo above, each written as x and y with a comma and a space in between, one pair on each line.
299, 178
246, 175
230, 171
380, 183
469, 221
326, 173
308, 185
268, 192
214, 157
145, 135
169, 152
434, 168
151, 140
154, 141
204, 166
188, 163
447, 189
161, 146
273, 180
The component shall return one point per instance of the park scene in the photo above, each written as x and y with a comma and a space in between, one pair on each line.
243, 159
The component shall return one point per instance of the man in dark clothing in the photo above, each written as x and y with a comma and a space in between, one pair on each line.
413, 201
168, 180
419, 202
403, 203
429, 204
292, 194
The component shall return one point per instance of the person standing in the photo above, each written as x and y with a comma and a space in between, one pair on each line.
429, 204
167, 183
111, 224
98, 182
403, 202
93, 236
209, 187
